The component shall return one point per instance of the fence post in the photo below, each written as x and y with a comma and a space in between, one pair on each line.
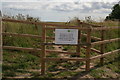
79, 38
0, 45
43, 53
79, 41
102, 47
88, 50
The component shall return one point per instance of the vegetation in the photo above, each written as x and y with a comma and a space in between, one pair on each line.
24, 64
115, 14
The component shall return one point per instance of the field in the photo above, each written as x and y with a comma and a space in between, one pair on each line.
24, 64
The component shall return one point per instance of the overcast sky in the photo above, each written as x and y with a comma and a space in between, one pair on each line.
59, 10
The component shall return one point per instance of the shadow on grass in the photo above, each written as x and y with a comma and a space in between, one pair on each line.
10, 71
77, 76
83, 73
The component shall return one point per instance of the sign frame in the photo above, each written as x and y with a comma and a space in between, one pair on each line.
66, 36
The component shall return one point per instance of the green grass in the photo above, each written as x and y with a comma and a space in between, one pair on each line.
65, 74
109, 70
97, 73
17, 62
14, 60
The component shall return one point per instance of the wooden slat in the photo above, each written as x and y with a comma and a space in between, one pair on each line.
88, 24
18, 21
65, 59
65, 27
105, 28
62, 52
93, 49
21, 35
105, 41
94, 25
92, 37
37, 36
43, 23
21, 48
83, 28
81, 44
60, 26
25, 35
105, 54
37, 23
36, 50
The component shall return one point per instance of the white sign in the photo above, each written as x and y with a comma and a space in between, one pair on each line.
66, 36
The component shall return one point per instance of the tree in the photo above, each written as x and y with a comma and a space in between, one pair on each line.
0, 13
115, 14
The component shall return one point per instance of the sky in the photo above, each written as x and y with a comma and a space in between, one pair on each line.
59, 10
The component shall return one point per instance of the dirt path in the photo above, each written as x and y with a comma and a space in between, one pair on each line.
60, 48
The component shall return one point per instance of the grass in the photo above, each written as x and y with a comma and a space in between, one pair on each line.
14, 60
97, 73
109, 70
21, 62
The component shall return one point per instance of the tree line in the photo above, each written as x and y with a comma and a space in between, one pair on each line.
115, 14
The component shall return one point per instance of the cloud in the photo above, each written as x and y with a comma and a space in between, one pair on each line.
22, 5
67, 6
61, 1
84, 7
58, 11
97, 7
102, 10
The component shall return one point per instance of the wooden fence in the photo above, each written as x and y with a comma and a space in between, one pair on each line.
0, 41
88, 45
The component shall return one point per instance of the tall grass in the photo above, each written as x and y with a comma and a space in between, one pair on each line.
14, 60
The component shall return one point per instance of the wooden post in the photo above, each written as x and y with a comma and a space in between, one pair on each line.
0, 38
79, 41
88, 50
102, 47
43, 53
78, 46
0, 45
79, 38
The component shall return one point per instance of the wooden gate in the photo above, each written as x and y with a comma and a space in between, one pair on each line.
88, 45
